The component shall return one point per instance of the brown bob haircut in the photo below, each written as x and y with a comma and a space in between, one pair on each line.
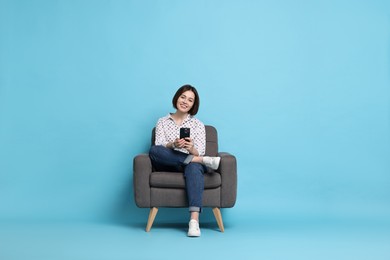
194, 110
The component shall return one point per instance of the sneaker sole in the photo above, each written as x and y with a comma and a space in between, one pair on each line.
193, 235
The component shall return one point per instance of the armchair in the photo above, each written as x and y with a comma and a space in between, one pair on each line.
154, 189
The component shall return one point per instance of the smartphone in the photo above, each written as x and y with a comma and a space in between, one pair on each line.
184, 132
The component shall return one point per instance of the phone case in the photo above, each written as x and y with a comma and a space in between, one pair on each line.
184, 132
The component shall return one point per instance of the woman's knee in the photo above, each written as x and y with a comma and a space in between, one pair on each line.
154, 152
154, 149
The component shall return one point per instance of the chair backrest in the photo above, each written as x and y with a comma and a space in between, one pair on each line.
211, 140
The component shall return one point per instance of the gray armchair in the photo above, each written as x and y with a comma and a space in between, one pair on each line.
167, 189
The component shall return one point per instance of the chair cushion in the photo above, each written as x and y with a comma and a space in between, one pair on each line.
176, 180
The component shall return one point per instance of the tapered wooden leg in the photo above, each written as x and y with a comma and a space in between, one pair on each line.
152, 215
218, 217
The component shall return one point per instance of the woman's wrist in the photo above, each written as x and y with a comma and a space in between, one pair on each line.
193, 151
170, 145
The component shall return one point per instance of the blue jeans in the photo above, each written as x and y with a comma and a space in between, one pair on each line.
165, 159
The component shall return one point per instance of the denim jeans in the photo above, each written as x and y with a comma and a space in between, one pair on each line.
165, 159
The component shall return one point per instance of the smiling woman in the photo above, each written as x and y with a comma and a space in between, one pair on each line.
170, 152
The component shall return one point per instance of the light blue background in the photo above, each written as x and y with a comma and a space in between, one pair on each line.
299, 91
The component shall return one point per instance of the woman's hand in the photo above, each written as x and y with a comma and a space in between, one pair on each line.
179, 143
188, 144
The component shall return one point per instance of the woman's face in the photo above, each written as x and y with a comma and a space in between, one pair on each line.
186, 101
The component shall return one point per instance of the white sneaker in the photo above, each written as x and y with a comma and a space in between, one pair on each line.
212, 162
193, 228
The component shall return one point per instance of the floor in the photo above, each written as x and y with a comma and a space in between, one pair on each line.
264, 238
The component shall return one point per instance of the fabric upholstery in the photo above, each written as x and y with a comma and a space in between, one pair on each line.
176, 180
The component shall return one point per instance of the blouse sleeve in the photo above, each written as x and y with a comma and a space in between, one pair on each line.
160, 138
200, 138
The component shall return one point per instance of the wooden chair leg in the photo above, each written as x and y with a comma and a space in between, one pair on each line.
218, 217
152, 214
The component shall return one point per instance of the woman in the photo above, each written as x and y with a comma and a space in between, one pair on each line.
170, 153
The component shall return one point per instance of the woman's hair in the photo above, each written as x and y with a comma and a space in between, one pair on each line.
194, 110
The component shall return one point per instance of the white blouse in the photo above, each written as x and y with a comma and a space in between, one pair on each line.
167, 131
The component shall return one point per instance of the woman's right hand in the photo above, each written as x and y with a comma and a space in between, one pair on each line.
179, 143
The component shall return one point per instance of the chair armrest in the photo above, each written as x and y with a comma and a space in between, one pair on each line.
228, 170
142, 169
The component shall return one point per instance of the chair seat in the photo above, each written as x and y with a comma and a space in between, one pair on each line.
176, 180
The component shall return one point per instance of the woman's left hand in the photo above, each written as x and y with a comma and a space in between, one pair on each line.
189, 144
